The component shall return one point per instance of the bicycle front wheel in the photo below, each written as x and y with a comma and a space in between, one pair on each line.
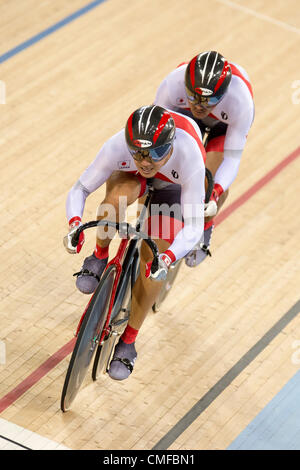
87, 340
119, 319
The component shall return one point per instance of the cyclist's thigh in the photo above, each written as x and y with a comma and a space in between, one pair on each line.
165, 217
122, 183
215, 147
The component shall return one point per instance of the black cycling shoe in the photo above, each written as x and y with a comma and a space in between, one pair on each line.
89, 276
123, 361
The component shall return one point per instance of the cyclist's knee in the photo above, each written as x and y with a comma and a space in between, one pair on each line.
146, 253
122, 185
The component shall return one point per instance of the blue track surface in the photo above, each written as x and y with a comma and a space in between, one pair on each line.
277, 426
38, 37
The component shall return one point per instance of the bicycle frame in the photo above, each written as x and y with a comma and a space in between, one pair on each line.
116, 261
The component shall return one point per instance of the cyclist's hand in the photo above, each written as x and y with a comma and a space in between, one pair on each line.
164, 262
210, 209
68, 238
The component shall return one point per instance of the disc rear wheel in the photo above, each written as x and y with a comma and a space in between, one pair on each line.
167, 286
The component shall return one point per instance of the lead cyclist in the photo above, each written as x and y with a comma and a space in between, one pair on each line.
159, 146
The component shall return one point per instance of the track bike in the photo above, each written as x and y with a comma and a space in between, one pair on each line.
107, 312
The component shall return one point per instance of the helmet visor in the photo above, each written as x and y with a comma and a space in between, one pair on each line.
156, 154
204, 101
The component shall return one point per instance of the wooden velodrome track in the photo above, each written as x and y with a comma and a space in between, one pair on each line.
66, 93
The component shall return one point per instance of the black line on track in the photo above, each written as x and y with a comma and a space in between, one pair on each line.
204, 402
14, 442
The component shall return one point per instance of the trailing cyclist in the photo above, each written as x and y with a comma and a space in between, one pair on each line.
218, 96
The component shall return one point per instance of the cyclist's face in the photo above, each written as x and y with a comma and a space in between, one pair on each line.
199, 105
199, 111
148, 168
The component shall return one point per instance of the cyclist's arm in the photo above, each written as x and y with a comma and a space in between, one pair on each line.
76, 201
228, 170
90, 180
192, 207
235, 141
162, 97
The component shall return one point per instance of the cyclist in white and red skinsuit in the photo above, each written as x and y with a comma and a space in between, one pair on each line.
185, 167
155, 144
217, 95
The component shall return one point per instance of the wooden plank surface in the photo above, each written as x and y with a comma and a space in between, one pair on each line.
65, 96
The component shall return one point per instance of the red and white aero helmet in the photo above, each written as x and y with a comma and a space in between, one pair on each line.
207, 78
150, 129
